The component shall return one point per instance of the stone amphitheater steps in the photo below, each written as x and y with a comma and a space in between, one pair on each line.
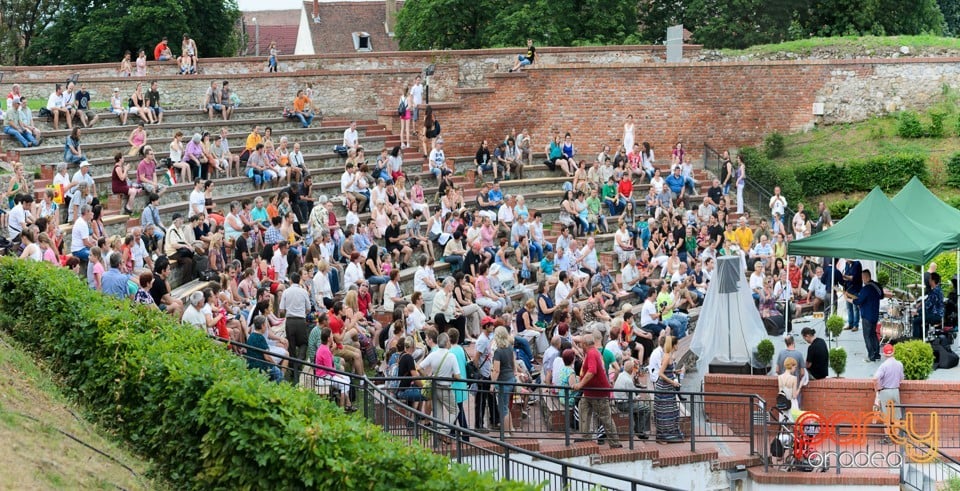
100, 155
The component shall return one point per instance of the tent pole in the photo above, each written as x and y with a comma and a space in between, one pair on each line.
923, 303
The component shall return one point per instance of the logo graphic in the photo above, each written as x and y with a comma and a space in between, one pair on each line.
850, 429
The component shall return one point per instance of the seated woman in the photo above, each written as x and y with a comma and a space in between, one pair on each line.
137, 140
120, 183
176, 158
72, 153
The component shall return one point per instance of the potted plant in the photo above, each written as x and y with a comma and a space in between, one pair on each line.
763, 355
838, 360
834, 327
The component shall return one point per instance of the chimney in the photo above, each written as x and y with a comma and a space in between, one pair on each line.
391, 15
316, 10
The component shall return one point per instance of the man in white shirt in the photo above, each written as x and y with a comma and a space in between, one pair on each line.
650, 314
416, 93
19, 217
197, 200
563, 289
589, 254
279, 260
353, 275
55, 104
549, 356
777, 202
351, 139
756, 281
425, 282
438, 161
81, 241
294, 306
141, 257
349, 188
656, 359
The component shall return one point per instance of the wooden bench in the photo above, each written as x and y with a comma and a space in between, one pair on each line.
185, 290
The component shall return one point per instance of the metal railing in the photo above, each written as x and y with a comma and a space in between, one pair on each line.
756, 199
901, 277
483, 453
703, 418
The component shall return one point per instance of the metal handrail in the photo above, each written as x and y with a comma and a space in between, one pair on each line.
368, 390
751, 188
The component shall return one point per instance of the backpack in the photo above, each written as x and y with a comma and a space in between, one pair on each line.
393, 367
402, 108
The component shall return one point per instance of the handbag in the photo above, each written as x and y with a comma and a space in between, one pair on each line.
426, 386
473, 373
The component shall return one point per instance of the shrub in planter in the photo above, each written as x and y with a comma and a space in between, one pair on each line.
205, 420
917, 359
835, 325
764, 352
838, 360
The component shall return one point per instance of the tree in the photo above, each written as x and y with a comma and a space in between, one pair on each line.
655, 16
444, 24
464, 24
951, 16
85, 32
740, 23
878, 17
20, 21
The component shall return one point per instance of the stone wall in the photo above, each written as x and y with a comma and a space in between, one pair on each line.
586, 91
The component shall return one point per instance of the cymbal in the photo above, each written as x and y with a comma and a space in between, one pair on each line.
915, 286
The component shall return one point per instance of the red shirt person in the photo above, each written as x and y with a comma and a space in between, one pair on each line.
161, 52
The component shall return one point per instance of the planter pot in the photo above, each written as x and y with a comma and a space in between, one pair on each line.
760, 371
47, 171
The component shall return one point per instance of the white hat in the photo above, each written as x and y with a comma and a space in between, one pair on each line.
84, 163
495, 269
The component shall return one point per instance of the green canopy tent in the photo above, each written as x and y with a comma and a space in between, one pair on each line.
876, 229
922, 206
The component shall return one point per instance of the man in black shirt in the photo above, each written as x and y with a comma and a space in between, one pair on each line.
715, 192
87, 116
160, 291
153, 101
818, 359
305, 199
482, 160
397, 243
473, 259
241, 249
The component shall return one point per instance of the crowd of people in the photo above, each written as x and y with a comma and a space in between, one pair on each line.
286, 273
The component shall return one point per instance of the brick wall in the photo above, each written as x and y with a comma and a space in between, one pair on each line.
833, 395
587, 92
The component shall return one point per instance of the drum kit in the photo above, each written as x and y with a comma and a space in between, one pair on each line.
895, 323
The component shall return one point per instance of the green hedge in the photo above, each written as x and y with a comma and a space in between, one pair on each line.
800, 182
195, 409
953, 171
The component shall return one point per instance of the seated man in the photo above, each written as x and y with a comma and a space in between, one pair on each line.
213, 103
301, 109
763, 252
26, 120
55, 104
161, 52
677, 185
88, 117
817, 291
13, 127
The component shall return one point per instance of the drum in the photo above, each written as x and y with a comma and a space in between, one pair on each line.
890, 329
894, 309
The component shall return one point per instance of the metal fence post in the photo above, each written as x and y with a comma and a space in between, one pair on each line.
753, 435
501, 393
566, 416
693, 423
630, 423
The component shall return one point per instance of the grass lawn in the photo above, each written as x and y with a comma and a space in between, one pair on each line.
848, 44
36, 104
33, 412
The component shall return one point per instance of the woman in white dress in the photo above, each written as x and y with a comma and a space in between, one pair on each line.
788, 383
628, 133
623, 244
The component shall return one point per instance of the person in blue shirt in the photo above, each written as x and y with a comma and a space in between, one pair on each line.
676, 183
114, 282
933, 305
495, 195
868, 299
852, 285
257, 359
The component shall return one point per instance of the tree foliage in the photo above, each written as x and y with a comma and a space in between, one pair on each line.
467, 24
20, 21
951, 16
743, 23
101, 30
